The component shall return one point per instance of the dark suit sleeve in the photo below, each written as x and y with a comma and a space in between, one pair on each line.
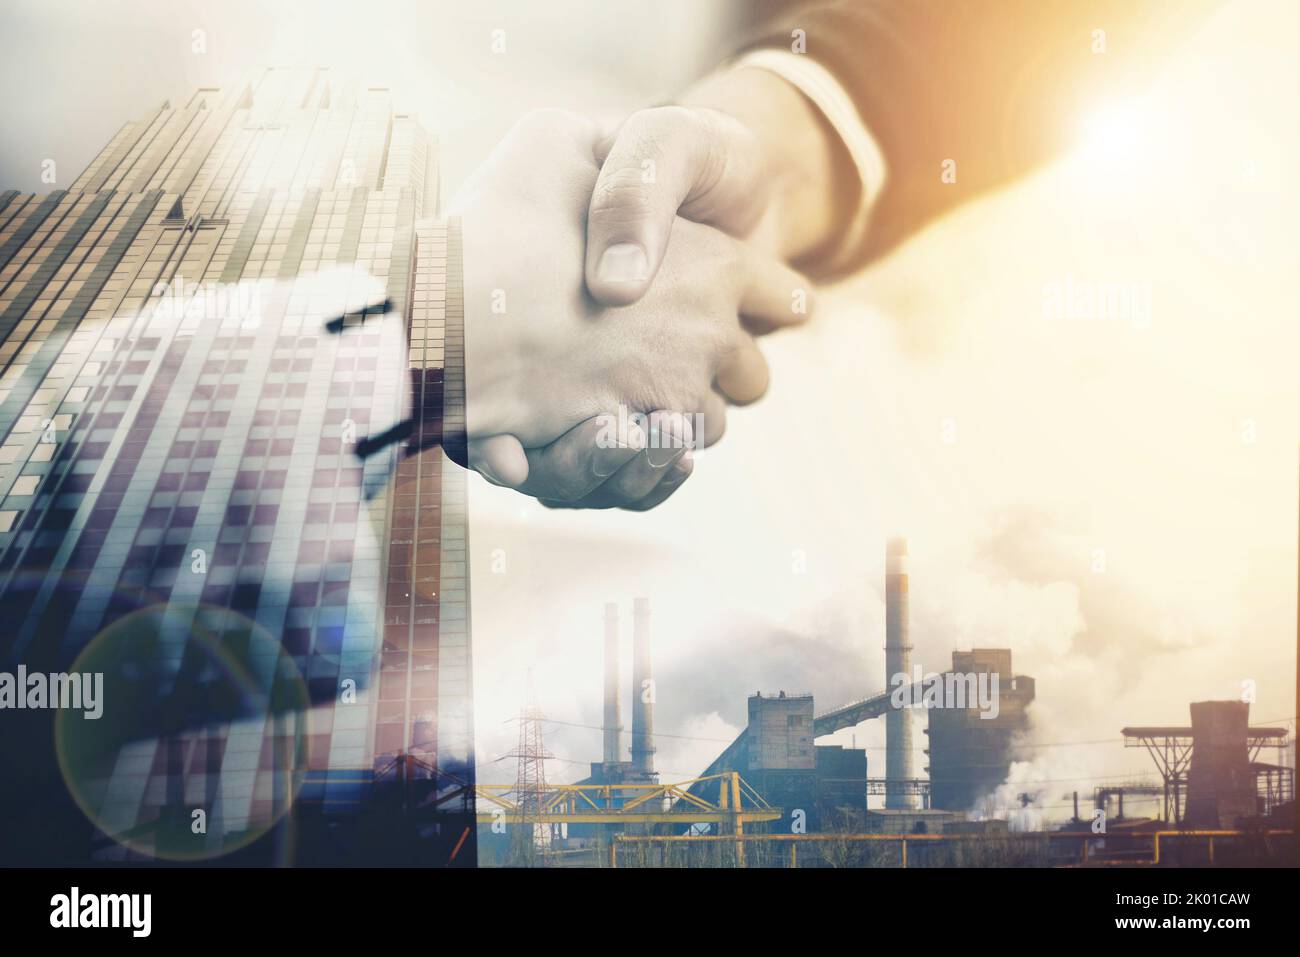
996, 86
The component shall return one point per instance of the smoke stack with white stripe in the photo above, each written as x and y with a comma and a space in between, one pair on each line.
898, 660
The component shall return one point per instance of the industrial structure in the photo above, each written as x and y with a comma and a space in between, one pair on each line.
1210, 769
898, 661
970, 750
815, 784
612, 768
618, 792
613, 729
533, 820
775, 797
643, 694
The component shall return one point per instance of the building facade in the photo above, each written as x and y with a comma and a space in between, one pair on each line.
971, 751
222, 354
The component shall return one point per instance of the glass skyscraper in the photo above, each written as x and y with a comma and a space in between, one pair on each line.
222, 396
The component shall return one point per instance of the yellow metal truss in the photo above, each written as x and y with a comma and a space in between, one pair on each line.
674, 803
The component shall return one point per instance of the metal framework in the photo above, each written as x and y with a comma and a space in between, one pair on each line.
1088, 842
1101, 795
854, 713
1171, 749
1275, 784
1172, 754
530, 776
738, 804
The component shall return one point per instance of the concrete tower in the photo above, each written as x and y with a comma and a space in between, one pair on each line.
898, 660
643, 691
613, 714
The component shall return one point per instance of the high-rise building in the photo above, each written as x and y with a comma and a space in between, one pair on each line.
221, 402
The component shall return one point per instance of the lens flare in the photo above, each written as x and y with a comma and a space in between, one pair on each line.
202, 745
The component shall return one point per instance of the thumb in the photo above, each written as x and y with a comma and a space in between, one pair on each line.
701, 163
500, 459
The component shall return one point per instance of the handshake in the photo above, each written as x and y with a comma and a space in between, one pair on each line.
615, 284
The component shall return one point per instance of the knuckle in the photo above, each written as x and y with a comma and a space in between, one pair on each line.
658, 125
620, 197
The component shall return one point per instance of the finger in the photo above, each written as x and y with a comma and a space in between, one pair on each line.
670, 438
581, 460
713, 418
703, 163
500, 459
674, 480
744, 376
773, 295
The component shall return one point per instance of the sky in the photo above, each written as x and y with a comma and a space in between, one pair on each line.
444, 60
1110, 492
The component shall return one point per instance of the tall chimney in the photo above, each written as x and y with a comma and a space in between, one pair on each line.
613, 715
898, 660
643, 691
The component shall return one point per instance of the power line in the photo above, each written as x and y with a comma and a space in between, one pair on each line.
1026, 744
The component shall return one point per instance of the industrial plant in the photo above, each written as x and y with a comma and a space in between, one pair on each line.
774, 796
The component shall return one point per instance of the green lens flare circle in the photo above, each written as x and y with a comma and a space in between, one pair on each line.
201, 747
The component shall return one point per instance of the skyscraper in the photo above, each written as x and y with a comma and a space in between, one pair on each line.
221, 400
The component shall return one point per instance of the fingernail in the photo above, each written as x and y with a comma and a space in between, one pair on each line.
680, 471
666, 445
669, 459
623, 262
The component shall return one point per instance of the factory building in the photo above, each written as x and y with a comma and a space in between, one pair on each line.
971, 748
910, 820
778, 758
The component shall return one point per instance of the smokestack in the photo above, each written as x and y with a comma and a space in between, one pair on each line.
898, 660
643, 691
613, 716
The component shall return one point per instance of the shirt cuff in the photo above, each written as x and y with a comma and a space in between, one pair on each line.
825, 92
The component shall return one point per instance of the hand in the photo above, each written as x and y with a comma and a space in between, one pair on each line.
746, 152
580, 470
542, 357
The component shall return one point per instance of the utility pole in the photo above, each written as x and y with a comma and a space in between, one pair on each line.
530, 781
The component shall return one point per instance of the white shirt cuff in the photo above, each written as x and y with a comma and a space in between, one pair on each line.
818, 84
